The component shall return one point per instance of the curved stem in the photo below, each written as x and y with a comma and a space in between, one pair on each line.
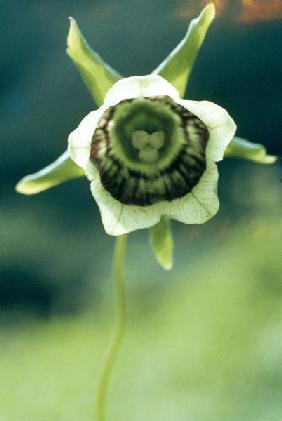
119, 329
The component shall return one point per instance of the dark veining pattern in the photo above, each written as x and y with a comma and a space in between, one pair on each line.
174, 181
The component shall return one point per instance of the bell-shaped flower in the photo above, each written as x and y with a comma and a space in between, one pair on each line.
147, 154
150, 156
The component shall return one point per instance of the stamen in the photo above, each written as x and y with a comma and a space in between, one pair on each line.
148, 155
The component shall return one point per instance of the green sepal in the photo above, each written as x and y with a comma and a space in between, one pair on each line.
176, 68
61, 170
241, 148
161, 241
96, 74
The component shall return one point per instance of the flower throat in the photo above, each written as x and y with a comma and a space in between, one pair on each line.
148, 150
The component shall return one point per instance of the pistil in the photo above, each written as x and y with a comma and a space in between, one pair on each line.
148, 145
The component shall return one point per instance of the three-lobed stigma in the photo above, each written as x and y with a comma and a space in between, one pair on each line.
148, 144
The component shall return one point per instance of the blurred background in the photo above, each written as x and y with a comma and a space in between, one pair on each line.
204, 341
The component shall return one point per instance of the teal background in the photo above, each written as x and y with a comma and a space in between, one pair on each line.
204, 340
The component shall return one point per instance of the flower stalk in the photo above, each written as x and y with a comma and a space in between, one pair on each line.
120, 323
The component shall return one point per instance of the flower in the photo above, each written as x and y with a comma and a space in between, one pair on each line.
148, 154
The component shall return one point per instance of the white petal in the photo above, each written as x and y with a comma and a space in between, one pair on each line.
199, 205
219, 123
80, 139
139, 86
118, 218
196, 207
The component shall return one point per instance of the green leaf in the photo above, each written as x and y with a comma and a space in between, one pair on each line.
96, 74
161, 241
241, 148
63, 169
176, 68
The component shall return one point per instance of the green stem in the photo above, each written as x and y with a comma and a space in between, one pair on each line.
119, 329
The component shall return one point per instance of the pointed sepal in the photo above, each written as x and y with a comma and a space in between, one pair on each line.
241, 148
96, 74
176, 68
61, 170
161, 241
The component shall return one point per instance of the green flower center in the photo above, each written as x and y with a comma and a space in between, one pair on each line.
148, 150
137, 127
